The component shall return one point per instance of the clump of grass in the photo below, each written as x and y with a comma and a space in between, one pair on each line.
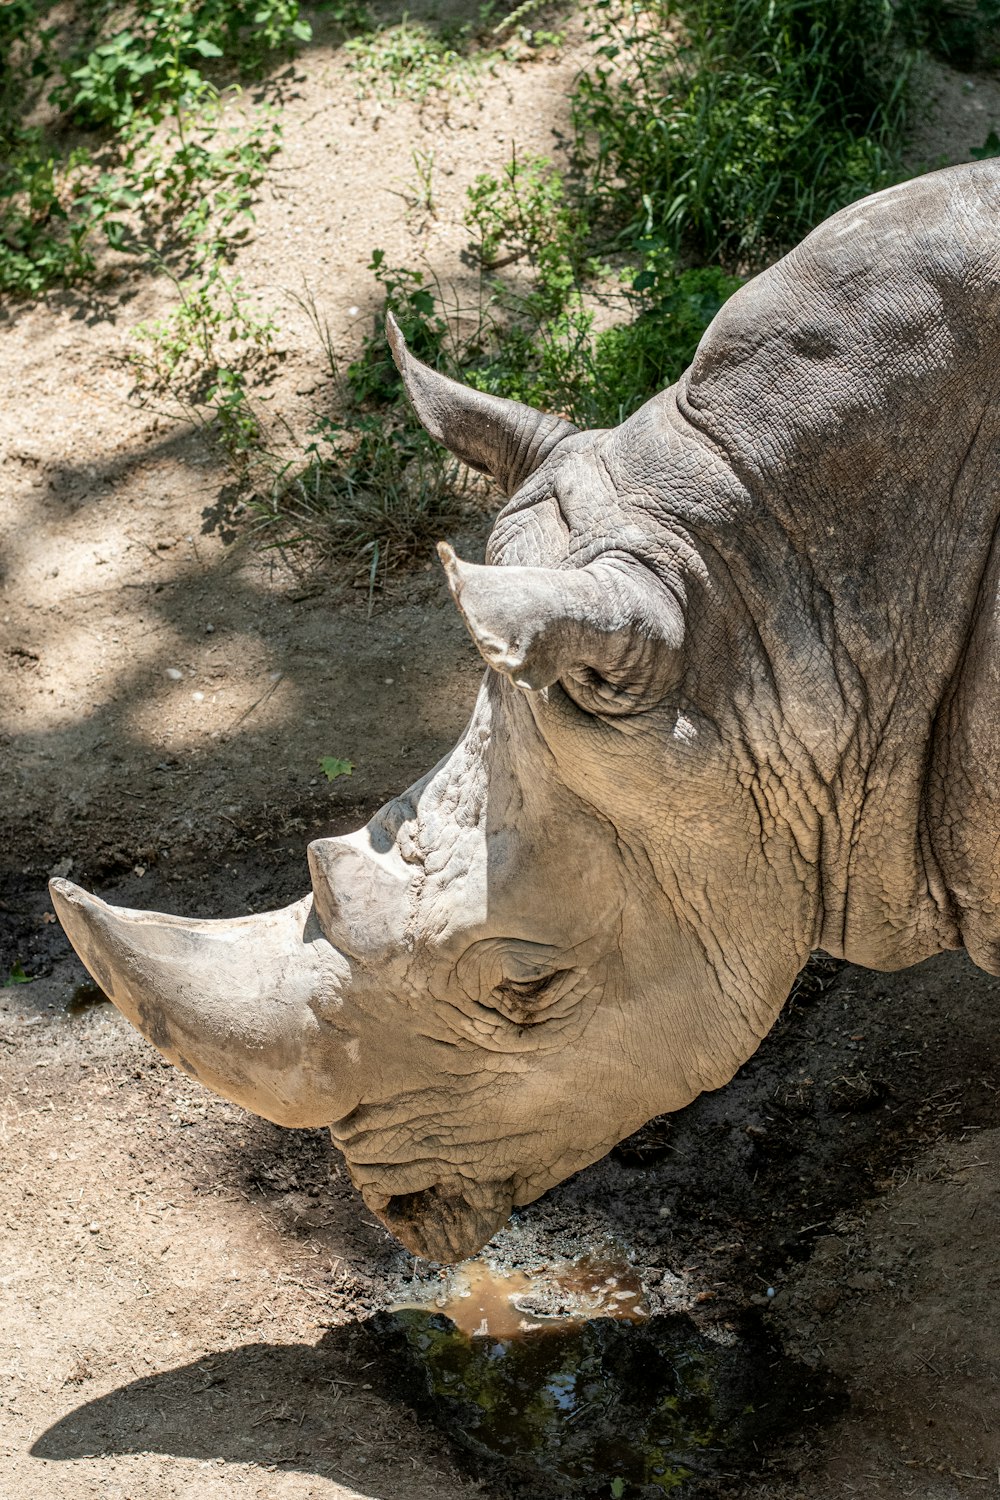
731, 127
421, 59
966, 33
412, 60
377, 492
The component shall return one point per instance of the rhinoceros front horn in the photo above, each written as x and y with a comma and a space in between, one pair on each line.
502, 438
241, 1005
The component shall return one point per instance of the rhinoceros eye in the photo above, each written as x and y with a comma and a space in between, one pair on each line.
595, 694
525, 1000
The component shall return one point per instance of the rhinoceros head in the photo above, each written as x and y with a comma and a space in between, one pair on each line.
556, 934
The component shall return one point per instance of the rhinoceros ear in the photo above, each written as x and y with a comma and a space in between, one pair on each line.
502, 438
609, 632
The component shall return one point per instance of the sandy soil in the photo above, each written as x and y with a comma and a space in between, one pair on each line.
184, 1290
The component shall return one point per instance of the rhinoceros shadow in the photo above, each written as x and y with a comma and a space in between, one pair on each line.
308, 1407
660, 1402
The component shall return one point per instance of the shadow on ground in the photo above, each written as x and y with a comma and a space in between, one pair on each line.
655, 1407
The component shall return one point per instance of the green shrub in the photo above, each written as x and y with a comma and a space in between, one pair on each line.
162, 173
159, 61
734, 136
539, 341
965, 33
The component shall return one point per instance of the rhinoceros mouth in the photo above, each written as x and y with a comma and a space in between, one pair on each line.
442, 1223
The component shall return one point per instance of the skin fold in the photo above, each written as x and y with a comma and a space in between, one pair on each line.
742, 701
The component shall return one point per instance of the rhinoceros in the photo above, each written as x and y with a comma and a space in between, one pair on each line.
742, 702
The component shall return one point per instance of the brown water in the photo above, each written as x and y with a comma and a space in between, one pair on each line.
484, 1302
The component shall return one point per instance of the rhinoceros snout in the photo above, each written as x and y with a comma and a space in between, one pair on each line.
441, 1223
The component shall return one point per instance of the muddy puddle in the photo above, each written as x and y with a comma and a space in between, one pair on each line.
84, 997
561, 1382
483, 1302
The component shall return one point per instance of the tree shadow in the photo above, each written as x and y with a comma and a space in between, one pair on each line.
308, 672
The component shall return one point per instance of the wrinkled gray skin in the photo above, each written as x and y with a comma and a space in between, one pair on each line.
743, 701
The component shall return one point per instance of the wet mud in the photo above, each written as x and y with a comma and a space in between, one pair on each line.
483, 1301
563, 1383
85, 996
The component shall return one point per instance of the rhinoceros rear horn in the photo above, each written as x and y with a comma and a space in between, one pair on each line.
610, 630
502, 438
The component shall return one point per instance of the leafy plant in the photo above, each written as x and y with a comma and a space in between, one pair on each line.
164, 174
200, 357
544, 344
421, 60
42, 241
215, 327
17, 976
159, 61
989, 148
332, 767
525, 215
735, 135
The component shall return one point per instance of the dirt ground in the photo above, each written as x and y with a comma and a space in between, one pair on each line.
186, 1292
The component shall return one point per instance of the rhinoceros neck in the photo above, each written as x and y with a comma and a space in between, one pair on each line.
852, 655
833, 457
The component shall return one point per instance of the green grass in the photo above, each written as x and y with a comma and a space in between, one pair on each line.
423, 59
729, 128
414, 60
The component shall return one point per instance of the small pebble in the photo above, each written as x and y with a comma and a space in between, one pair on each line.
174, 673
94, 1228
198, 697
770, 1291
